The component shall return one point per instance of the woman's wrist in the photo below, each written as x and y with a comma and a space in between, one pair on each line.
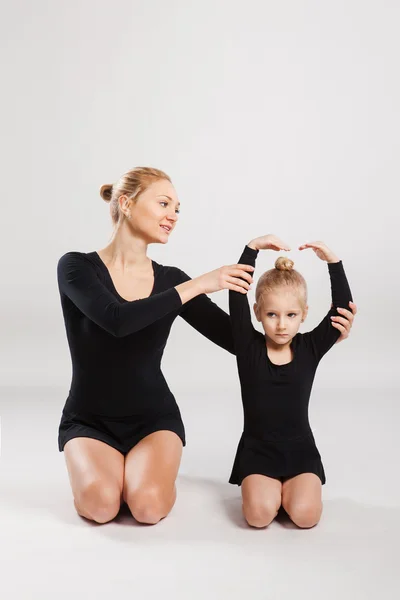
190, 289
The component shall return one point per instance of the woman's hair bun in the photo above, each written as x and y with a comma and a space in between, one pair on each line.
106, 192
283, 263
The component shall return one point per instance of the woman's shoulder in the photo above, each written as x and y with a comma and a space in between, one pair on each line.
75, 258
173, 274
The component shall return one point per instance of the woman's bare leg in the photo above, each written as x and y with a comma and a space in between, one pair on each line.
301, 498
96, 473
151, 469
261, 499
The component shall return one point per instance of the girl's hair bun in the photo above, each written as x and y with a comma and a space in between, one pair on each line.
106, 192
283, 263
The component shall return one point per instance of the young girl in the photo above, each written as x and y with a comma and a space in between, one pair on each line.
277, 462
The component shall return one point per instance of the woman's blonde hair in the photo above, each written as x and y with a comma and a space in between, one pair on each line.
131, 184
282, 275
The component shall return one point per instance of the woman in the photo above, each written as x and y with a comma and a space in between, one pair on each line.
121, 429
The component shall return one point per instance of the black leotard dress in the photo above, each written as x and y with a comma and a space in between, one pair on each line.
277, 440
118, 393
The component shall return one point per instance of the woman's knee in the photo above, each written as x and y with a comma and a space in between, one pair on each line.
99, 501
260, 514
150, 504
304, 515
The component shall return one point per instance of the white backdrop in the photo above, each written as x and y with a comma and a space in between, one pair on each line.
270, 117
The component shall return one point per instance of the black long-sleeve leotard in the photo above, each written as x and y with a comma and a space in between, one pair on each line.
276, 397
116, 345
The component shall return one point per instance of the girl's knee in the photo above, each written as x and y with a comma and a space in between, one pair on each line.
98, 501
149, 505
305, 515
260, 514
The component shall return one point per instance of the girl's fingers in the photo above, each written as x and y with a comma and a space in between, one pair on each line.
317, 245
243, 267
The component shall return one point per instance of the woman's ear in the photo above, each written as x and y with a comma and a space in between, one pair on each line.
256, 309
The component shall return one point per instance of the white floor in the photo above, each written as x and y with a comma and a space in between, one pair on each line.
204, 550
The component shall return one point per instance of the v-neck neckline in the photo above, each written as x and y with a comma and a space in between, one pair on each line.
106, 270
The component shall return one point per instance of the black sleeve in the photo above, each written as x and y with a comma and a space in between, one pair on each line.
77, 279
242, 327
324, 336
207, 318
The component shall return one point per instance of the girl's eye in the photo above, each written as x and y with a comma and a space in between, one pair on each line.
292, 315
270, 314
164, 203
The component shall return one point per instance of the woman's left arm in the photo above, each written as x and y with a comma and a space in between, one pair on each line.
208, 319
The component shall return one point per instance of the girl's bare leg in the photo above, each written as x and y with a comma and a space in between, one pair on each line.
96, 473
151, 469
301, 498
261, 499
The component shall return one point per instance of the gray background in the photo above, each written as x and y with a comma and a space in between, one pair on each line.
270, 117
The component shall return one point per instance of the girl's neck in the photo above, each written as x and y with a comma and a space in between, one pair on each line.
277, 348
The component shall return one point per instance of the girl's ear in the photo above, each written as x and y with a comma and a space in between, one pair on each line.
305, 313
257, 311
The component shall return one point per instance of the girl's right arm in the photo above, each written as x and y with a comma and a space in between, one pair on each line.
78, 280
242, 327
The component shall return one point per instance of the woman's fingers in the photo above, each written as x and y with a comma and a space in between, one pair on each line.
243, 267
341, 328
240, 273
342, 320
238, 283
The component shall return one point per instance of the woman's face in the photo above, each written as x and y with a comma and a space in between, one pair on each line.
155, 213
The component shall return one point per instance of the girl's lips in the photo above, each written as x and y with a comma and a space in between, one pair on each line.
167, 229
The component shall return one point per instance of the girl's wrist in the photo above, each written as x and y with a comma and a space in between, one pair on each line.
252, 245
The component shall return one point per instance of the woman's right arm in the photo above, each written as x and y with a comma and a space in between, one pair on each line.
78, 280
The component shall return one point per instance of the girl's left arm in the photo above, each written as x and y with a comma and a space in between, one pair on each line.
324, 336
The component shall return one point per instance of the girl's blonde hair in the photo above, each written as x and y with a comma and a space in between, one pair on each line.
131, 184
282, 275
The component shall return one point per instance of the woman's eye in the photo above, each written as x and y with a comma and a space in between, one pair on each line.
164, 203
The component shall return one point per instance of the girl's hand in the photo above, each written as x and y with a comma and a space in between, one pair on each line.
234, 277
344, 323
322, 251
268, 242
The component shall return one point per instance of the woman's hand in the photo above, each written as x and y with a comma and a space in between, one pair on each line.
268, 242
344, 323
322, 251
233, 277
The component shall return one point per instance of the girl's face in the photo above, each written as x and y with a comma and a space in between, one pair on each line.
155, 213
281, 315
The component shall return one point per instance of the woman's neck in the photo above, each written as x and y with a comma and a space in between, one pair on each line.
126, 252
